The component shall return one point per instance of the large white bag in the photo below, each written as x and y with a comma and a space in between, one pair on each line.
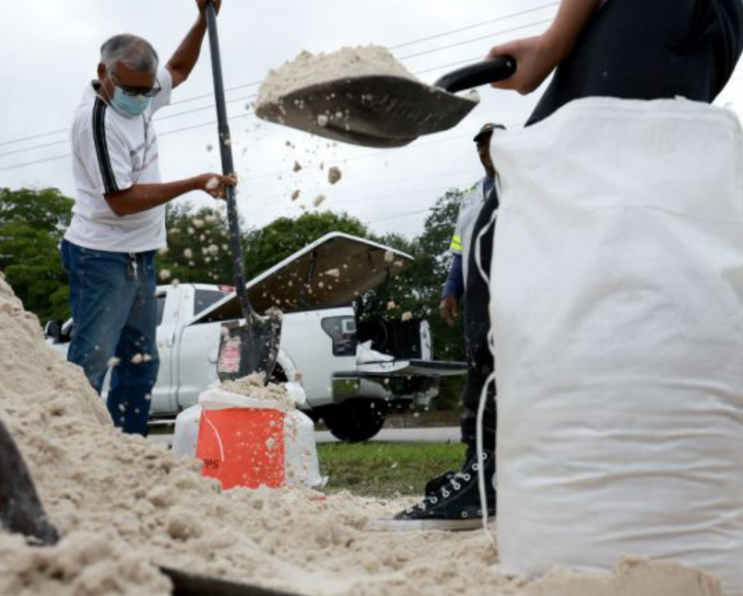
617, 310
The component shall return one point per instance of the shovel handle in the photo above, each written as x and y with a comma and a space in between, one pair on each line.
477, 75
228, 166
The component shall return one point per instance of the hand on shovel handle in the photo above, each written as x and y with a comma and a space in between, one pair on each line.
202, 5
216, 184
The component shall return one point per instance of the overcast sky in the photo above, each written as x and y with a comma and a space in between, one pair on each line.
50, 49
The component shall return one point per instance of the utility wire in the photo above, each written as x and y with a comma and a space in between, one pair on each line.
395, 47
472, 40
256, 83
475, 26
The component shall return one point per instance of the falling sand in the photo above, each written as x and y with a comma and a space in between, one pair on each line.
123, 504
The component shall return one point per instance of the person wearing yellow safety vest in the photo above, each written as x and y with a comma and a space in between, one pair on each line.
445, 506
469, 209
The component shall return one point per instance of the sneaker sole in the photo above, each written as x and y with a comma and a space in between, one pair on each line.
425, 525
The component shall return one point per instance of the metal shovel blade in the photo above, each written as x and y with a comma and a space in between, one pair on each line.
381, 110
249, 348
21, 511
373, 111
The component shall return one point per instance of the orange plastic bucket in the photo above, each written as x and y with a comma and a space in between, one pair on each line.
242, 447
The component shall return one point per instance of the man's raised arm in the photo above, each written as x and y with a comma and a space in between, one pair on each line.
186, 56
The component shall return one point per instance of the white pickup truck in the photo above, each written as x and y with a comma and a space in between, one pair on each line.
351, 388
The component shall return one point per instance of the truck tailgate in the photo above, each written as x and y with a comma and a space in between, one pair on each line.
409, 368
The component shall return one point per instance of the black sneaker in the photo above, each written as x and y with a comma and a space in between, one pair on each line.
455, 506
434, 485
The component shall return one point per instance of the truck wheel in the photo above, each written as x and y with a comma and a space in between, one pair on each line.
356, 420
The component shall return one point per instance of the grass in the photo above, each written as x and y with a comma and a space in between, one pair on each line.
386, 469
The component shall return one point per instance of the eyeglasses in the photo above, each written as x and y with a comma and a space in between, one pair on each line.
136, 91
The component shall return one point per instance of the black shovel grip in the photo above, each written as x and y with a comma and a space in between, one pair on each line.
477, 75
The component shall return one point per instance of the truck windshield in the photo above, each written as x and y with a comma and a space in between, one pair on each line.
206, 298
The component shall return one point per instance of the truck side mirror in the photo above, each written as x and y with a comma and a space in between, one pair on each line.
53, 330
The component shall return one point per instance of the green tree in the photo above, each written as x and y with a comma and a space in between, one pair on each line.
198, 246
418, 289
32, 225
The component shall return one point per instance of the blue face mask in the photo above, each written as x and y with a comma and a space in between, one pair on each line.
130, 105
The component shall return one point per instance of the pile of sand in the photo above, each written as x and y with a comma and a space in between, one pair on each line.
254, 386
314, 69
123, 504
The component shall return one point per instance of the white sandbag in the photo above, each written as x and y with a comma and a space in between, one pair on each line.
186, 434
617, 310
301, 464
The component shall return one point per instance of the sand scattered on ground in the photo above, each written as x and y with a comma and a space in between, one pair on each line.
314, 69
123, 504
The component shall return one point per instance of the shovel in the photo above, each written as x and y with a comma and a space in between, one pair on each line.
250, 346
382, 110
21, 512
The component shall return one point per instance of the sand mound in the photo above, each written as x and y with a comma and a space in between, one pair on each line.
123, 504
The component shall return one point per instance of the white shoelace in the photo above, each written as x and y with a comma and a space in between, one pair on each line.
481, 480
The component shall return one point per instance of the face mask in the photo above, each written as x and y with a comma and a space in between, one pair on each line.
130, 105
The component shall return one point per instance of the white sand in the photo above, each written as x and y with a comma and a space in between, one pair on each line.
254, 386
123, 504
314, 69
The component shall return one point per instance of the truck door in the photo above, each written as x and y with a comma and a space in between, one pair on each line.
168, 309
197, 348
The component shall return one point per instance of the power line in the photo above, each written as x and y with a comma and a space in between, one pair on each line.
365, 200
260, 176
399, 215
256, 83
286, 210
472, 40
475, 26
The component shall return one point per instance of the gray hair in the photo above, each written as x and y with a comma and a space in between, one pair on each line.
135, 52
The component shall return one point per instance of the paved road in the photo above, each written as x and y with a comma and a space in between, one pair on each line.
404, 435
386, 435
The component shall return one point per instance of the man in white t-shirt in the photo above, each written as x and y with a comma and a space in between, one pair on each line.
119, 217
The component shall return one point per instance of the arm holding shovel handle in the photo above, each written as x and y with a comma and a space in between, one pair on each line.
538, 56
184, 59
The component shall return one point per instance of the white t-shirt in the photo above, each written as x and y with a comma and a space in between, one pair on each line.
112, 152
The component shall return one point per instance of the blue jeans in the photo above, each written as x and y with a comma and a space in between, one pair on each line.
115, 317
